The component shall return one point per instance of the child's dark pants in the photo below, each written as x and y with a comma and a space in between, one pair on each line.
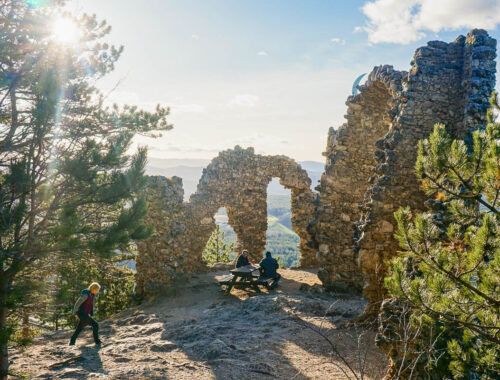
84, 320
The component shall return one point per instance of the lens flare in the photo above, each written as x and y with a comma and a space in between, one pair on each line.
65, 30
37, 3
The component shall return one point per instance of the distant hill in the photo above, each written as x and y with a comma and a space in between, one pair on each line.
281, 240
190, 175
172, 162
190, 171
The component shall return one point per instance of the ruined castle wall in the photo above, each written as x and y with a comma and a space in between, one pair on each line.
161, 258
448, 83
350, 158
237, 180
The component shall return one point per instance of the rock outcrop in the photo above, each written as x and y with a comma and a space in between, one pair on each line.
369, 171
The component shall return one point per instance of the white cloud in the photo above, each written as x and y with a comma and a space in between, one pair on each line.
243, 100
337, 40
405, 21
195, 37
295, 108
262, 53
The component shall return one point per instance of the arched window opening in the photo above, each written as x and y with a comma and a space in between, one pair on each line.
220, 245
281, 240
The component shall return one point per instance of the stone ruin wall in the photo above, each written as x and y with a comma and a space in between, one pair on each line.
347, 229
237, 180
165, 257
369, 171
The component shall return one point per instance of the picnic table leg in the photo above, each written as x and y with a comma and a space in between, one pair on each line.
231, 284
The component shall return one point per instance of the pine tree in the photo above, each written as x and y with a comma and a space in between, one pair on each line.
72, 275
217, 250
67, 186
449, 270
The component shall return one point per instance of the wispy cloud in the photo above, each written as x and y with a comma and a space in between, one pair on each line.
176, 105
337, 40
244, 100
262, 53
160, 148
406, 21
258, 139
278, 112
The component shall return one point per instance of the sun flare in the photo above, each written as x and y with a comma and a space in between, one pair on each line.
65, 30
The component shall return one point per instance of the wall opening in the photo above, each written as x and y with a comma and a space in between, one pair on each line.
220, 247
281, 239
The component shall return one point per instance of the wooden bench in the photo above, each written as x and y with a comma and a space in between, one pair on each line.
226, 280
267, 282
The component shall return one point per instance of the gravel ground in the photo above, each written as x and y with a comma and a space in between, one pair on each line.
203, 334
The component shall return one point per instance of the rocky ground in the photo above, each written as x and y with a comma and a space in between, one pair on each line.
202, 333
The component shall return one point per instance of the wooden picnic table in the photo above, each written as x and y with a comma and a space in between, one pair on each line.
246, 277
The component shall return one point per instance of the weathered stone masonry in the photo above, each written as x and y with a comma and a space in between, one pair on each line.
237, 180
369, 171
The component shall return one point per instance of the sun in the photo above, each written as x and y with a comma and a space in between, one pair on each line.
65, 30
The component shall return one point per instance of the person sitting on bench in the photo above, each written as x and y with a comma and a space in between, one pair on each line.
268, 267
243, 259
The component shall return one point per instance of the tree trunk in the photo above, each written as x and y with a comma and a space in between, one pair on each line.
217, 246
4, 334
26, 325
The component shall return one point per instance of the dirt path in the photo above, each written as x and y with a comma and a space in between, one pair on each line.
202, 333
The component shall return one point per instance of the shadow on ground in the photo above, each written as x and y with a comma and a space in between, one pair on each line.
202, 333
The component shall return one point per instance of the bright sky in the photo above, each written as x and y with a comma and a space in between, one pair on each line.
270, 74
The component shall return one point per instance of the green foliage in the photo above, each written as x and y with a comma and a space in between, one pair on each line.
217, 250
449, 269
75, 274
69, 190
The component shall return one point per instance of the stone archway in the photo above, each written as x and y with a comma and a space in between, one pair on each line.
236, 179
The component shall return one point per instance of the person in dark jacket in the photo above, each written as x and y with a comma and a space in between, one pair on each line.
268, 267
243, 259
84, 310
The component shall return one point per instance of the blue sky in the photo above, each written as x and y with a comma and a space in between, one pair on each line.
273, 74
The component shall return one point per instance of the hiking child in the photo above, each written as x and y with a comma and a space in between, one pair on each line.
268, 267
243, 259
83, 310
